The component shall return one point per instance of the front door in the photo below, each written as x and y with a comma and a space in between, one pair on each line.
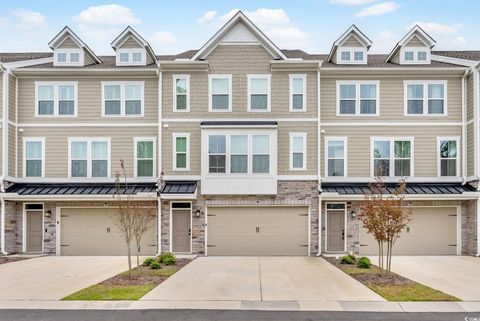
336, 230
181, 230
34, 231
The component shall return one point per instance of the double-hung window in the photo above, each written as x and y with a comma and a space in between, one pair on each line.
144, 157
336, 156
89, 157
69, 57
357, 98
123, 98
298, 92
392, 157
220, 92
261, 154
448, 156
56, 99
181, 92
259, 92
34, 157
217, 153
181, 155
238, 154
131, 57
298, 151
426, 98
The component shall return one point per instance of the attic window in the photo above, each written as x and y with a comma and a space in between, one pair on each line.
410, 55
131, 56
68, 57
352, 56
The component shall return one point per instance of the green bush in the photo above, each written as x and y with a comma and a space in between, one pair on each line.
148, 261
167, 258
155, 265
364, 263
347, 259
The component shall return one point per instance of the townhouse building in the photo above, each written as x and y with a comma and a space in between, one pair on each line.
241, 148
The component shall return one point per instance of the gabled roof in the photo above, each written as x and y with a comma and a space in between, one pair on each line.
58, 39
353, 30
117, 42
424, 37
239, 16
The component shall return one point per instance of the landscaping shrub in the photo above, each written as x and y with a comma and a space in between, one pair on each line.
167, 258
364, 263
347, 259
155, 265
148, 261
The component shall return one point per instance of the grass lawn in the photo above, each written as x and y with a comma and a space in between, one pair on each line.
126, 286
392, 287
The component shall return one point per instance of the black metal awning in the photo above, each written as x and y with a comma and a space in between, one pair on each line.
411, 188
33, 189
239, 123
179, 187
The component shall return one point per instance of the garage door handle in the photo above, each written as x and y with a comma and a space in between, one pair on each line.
343, 234
189, 231
257, 229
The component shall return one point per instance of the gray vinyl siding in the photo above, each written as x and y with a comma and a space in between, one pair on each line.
352, 42
89, 100
470, 150
11, 98
392, 98
131, 43
239, 61
88, 59
56, 146
469, 92
11, 150
68, 43
359, 145
415, 42
396, 57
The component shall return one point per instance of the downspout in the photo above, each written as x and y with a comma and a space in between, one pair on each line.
464, 130
478, 227
4, 157
319, 160
160, 168
475, 123
2, 225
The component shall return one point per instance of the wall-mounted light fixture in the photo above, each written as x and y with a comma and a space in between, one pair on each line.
197, 213
353, 214
48, 213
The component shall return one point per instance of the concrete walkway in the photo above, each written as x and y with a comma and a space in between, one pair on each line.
54, 277
261, 279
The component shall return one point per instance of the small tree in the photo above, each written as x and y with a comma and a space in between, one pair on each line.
384, 217
142, 219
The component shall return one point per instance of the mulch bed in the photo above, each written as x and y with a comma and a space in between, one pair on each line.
144, 275
375, 275
10, 259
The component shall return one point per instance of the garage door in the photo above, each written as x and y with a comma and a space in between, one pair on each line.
431, 231
92, 232
257, 231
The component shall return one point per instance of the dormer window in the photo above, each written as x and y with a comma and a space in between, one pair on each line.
131, 56
358, 55
410, 55
69, 57
352, 56
345, 55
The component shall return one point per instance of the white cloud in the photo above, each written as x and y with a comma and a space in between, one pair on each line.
3, 22
352, 2
438, 28
275, 23
109, 14
446, 35
384, 42
207, 16
28, 20
161, 37
378, 9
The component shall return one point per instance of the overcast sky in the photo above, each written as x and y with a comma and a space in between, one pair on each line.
175, 26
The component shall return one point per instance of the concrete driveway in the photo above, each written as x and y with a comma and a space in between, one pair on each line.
261, 279
455, 275
54, 277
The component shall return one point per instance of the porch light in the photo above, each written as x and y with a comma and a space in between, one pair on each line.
197, 213
353, 214
48, 213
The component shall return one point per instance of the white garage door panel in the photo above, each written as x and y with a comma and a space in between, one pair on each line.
281, 230
432, 231
92, 232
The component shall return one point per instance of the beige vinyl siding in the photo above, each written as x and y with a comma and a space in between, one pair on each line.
11, 150
396, 57
1, 94
470, 150
240, 61
89, 100
415, 42
11, 97
392, 98
56, 146
193, 128
359, 147
88, 59
352, 42
469, 92
149, 59
283, 147
68, 43
1, 148
131, 43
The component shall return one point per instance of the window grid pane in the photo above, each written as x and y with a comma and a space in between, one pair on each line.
448, 158
33, 158
145, 158
335, 158
381, 155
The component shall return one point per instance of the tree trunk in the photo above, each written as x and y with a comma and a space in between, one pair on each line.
138, 254
129, 255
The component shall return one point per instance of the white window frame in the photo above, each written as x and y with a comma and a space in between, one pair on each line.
304, 152
415, 60
392, 155
439, 159
130, 61
304, 92
357, 84
89, 142
210, 79
33, 139
68, 52
187, 80
267, 77
425, 84
174, 149
135, 149
122, 85
352, 51
56, 100
329, 139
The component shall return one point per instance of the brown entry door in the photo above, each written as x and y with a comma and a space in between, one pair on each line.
181, 231
34, 231
336, 231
